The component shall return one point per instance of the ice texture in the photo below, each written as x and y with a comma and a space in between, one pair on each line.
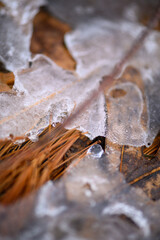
14, 43
46, 92
23, 11
16, 31
103, 43
131, 212
91, 200
85, 10
124, 116
44, 208
100, 45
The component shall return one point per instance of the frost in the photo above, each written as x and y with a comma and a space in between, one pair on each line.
23, 11
46, 92
44, 205
125, 128
130, 211
103, 43
14, 43
16, 31
100, 45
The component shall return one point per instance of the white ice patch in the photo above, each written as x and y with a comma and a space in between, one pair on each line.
44, 206
135, 214
16, 31
23, 11
14, 43
47, 92
103, 43
124, 116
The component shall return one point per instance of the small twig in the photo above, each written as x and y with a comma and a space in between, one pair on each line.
122, 153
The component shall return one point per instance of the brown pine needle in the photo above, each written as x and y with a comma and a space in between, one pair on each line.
151, 151
121, 163
29, 165
144, 175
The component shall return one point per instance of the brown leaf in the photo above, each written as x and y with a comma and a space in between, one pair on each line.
47, 38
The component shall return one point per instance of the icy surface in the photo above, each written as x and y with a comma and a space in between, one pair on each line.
23, 11
46, 92
14, 43
15, 32
85, 10
103, 43
90, 201
125, 128
100, 45
129, 211
44, 207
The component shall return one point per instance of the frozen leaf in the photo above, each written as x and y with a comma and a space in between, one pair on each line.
47, 92
101, 44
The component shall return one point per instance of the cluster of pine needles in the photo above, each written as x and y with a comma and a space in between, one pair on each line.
152, 151
27, 166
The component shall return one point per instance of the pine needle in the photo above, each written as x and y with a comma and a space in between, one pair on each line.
26, 167
151, 151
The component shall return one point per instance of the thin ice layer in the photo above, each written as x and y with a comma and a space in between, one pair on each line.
16, 31
84, 10
23, 11
47, 93
14, 43
124, 116
101, 44
91, 200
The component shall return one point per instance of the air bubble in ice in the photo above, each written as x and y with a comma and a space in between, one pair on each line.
96, 150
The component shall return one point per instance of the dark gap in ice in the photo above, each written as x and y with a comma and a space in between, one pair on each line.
101, 141
3, 68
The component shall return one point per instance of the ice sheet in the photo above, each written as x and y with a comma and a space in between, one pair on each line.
100, 45
124, 116
103, 43
14, 43
15, 32
46, 92
22, 11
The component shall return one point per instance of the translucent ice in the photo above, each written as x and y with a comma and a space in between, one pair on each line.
103, 43
16, 31
100, 45
130, 211
124, 116
33, 99
45, 205
46, 92
23, 11
96, 151
14, 43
